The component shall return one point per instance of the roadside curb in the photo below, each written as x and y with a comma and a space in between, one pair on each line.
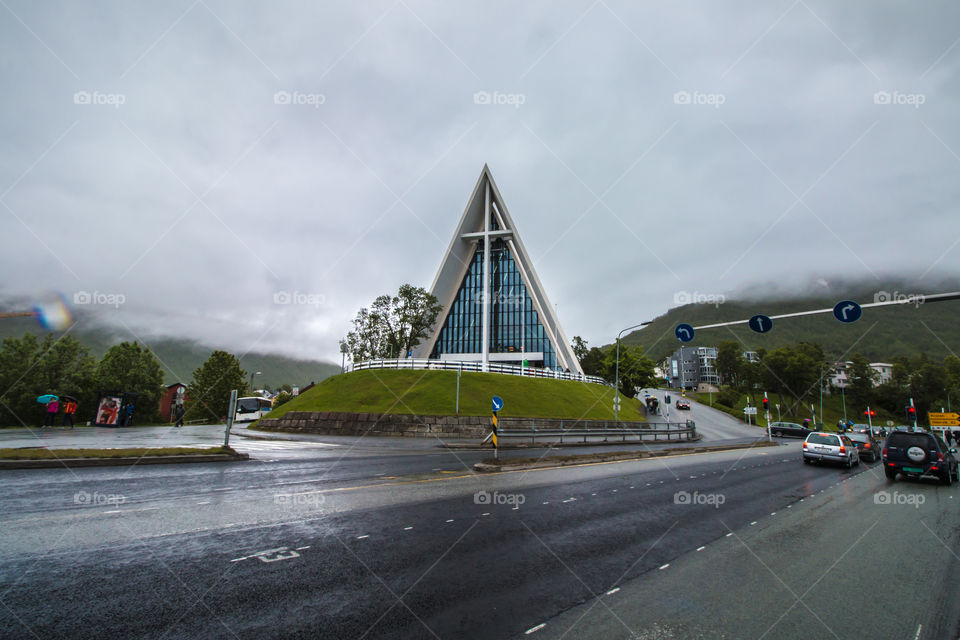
55, 463
479, 446
623, 456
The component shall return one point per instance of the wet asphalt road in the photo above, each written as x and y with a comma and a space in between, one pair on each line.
324, 547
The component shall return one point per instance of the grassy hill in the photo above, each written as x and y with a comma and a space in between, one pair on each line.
881, 334
434, 393
179, 358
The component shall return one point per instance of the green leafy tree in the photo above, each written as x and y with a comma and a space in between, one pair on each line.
862, 378
129, 367
286, 387
31, 367
593, 363
393, 326
209, 392
282, 398
580, 349
636, 370
729, 362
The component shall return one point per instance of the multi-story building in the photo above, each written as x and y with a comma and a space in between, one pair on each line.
694, 368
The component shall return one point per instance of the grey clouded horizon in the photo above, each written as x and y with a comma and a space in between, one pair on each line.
201, 157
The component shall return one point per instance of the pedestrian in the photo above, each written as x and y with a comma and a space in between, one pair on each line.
69, 408
128, 415
178, 414
52, 408
956, 437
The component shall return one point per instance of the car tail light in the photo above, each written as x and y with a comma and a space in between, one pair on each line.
804, 445
884, 452
866, 446
843, 449
939, 457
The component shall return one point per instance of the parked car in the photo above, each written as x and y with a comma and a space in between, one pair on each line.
867, 446
792, 429
915, 454
683, 404
830, 447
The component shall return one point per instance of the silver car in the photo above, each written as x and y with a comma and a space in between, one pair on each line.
830, 447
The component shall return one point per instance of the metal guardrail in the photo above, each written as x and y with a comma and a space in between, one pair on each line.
456, 365
678, 433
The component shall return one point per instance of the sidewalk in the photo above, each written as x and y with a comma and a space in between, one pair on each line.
113, 438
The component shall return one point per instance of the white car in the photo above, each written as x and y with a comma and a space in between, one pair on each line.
830, 447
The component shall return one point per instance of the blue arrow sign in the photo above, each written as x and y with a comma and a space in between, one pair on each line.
497, 403
684, 332
760, 323
847, 311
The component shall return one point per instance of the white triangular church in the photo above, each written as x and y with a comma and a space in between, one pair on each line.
494, 307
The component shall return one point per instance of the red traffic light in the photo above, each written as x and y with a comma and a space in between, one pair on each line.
765, 402
911, 410
871, 413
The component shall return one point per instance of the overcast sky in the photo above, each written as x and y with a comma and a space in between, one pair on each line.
200, 158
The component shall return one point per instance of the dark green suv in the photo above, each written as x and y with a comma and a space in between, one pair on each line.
915, 454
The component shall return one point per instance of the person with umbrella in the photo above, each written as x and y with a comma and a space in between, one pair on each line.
53, 406
69, 408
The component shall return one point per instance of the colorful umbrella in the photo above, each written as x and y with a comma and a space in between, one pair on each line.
49, 397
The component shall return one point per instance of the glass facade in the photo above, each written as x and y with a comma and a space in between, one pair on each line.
514, 323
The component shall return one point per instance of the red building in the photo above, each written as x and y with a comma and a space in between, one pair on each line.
168, 401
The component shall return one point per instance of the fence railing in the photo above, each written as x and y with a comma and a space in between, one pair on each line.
456, 365
673, 431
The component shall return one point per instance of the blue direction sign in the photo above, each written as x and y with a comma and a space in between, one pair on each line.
847, 311
684, 332
497, 403
760, 323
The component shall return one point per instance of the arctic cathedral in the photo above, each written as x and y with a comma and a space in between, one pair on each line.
494, 308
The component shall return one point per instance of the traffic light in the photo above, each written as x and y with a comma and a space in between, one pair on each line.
766, 404
911, 413
870, 413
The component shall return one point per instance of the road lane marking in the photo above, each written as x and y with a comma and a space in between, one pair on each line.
485, 514
407, 528
204, 502
449, 520
362, 537
114, 511
613, 591
302, 548
570, 500
729, 534
753, 523
700, 548
664, 566
535, 629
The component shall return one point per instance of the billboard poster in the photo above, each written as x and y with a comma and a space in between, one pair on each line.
108, 411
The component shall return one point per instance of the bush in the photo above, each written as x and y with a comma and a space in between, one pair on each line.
728, 398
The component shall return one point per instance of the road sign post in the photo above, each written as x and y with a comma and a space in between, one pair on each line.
496, 404
769, 436
231, 412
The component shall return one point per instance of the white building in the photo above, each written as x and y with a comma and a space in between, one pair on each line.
884, 372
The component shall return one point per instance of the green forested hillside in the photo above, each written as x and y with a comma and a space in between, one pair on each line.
881, 334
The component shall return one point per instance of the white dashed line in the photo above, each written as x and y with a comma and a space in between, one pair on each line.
449, 520
407, 528
613, 591
753, 523
546, 502
362, 537
114, 511
664, 566
485, 514
700, 548
774, 513
729, 534
535, 629
570, 500
204, 502
302, 548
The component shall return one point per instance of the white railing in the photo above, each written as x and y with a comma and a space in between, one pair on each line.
455, 365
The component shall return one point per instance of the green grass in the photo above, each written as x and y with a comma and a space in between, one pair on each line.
832, 409
427, 392
62, 454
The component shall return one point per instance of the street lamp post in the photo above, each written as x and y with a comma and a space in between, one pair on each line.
616, 383
256, 373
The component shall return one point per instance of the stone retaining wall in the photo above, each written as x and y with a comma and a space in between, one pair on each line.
393, 424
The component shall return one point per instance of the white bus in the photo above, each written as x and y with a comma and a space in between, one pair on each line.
252, 408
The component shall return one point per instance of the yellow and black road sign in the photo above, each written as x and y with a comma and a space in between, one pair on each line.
493, 436
944, 419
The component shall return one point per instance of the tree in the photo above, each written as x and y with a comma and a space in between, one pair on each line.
729, 362
209, 392
636, 369
286, 387
130, 368
593, 363
393, 326
862, 378
30, 367
580, 349
282, 398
